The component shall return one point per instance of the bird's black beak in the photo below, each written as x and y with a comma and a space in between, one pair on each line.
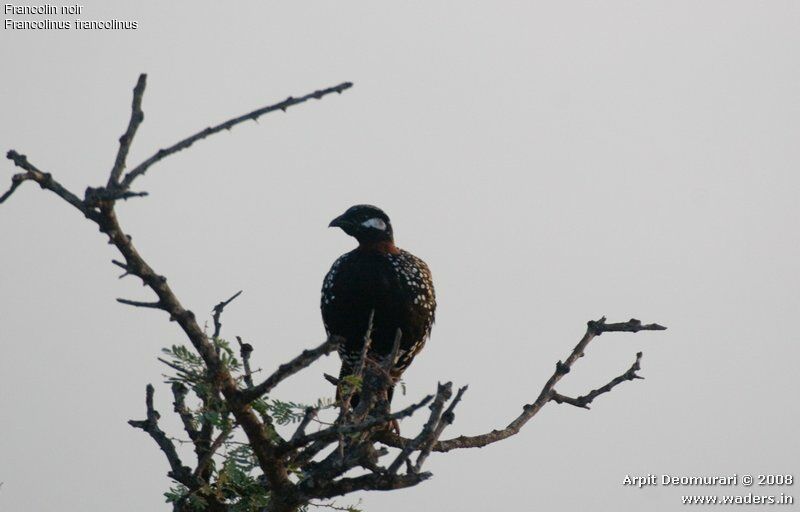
338, 222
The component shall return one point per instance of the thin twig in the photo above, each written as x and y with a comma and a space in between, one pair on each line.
178, 471
447, 418
16, 181
594, 328
308, 415
359, 369
246, 350
347, 393
121, 265
203, 463
333, 432
391, 359
584, 401
227, 125
217, 313
140, 304
286, 370
46, 181
179, 392
443, 393
137, 116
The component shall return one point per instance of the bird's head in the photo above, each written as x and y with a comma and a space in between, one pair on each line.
366, 223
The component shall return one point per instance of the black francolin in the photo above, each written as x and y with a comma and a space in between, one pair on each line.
376, 276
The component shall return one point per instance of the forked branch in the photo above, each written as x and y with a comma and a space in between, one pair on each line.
594, 328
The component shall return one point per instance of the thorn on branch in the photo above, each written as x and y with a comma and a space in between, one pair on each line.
123, 266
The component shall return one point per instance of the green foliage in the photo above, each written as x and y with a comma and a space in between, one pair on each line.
285, 413
190, 367
234, 472
180, 493
237, 484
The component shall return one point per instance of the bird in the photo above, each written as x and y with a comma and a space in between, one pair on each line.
376, 280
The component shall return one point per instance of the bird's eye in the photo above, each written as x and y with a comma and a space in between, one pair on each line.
375, 222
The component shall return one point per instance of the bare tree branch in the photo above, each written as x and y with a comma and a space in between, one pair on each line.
594, 328
137, 116
16, 181
46, 181
217, 313
359, 369
447, 418
140, 304
391, 359
179, 392
227, 125
443, 394
245, 350
300, 432
94, 196
632, 325
178, 471
584, 401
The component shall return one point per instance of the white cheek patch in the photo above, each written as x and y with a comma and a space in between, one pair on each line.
374, 223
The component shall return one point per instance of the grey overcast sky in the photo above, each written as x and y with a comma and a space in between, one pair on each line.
552, 161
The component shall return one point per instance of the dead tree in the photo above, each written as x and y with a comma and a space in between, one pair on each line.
286, 472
